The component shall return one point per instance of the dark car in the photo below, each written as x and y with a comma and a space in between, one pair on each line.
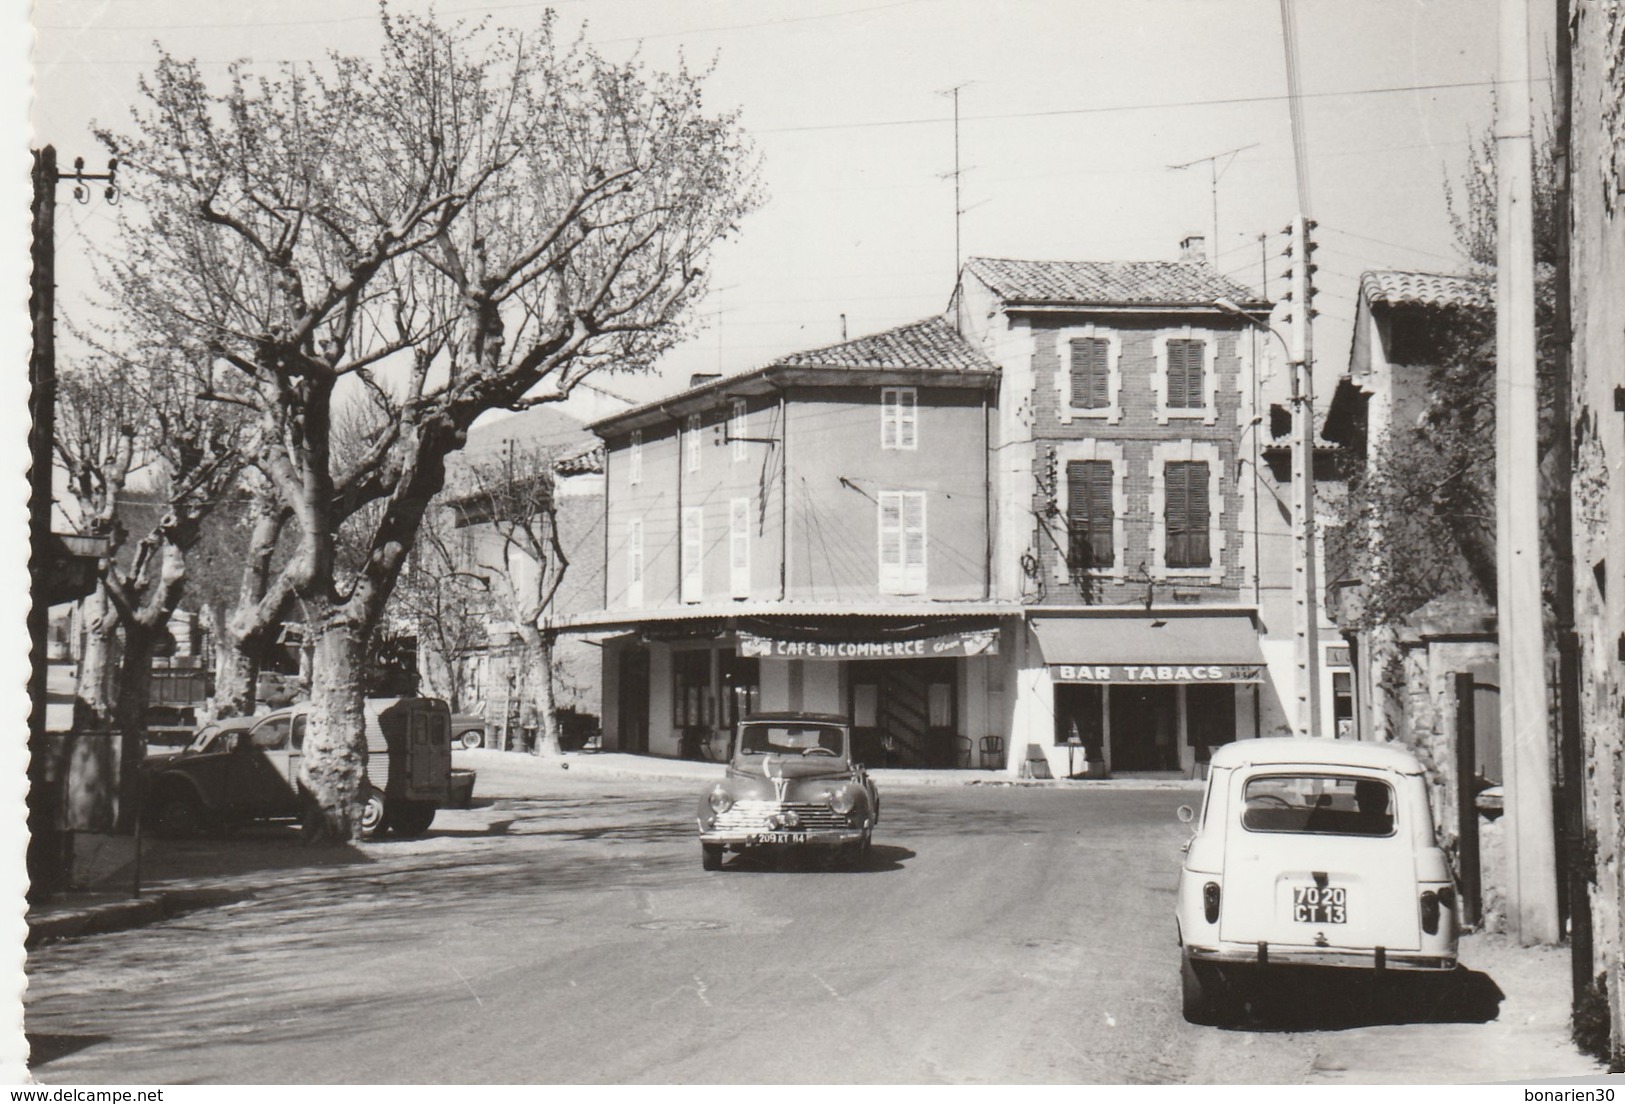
791, 782
467, 730
247, 768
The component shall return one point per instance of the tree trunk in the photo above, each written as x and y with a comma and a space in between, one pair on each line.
539, 673
335, 754
236, 676
93, 688
130, 715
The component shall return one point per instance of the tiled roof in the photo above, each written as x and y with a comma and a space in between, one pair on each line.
1108, 282
931, 343
1429, 289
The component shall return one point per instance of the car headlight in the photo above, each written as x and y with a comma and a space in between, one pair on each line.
844, 800
720, 800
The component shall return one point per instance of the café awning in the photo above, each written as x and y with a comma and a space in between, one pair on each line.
1160, 648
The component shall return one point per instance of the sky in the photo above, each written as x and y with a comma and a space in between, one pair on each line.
1070, 116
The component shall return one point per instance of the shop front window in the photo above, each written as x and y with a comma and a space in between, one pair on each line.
741, 686
691, 688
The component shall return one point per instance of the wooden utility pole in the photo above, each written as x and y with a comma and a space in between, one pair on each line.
1531, 857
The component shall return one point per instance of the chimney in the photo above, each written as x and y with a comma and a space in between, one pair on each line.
1192, 249
699, 379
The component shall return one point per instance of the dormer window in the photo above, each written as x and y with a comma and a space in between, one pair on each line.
899, 418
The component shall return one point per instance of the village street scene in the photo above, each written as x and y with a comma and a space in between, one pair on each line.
1022, 544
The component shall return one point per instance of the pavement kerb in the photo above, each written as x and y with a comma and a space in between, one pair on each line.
631, 767
104, 916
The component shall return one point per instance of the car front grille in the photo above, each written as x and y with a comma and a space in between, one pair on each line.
751, 816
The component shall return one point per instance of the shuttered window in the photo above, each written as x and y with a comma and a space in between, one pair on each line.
634, 464
1090, 368
899, 418
693, 554
1186, 514
1186, 360
634, 562
691, 441
739, 546
1089, 515
902, 542
736, 429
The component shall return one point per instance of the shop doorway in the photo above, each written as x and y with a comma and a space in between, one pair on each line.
633, 701
1145, 728
1080, 724
903, 713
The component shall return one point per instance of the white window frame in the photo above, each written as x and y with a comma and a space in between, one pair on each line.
691, 442
1188, 452
1112, 412
899, 418
739, 546
737, 431
901, 577
692, 554
634, 563
1208, 412
1092, 449
634, 460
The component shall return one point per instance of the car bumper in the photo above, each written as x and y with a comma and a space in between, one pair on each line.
822, 838
1264, 954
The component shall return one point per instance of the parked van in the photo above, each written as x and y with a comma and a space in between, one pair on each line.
1310, 852
247, 768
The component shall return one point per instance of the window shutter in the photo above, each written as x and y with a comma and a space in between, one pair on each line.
1090, 373
1187, 515
1089, 514
1185, 363
1197, 514
693, 554
739, 546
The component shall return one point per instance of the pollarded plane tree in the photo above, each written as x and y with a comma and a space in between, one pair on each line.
476, 218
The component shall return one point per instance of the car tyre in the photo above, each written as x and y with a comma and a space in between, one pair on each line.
179, 814
711, 856
412, 818
472, 739
374, 814
1203, 993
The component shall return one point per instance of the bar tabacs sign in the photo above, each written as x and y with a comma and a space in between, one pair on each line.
982, 642
1160, 672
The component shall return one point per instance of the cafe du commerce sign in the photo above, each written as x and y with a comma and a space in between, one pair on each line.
1161, 672
983, 642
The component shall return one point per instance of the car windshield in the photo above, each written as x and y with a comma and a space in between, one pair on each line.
790, 739
1321, 804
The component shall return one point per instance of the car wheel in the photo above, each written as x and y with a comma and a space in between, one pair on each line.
1202, 993
412, 818
179, 814
374, 816
711, 856
473, 739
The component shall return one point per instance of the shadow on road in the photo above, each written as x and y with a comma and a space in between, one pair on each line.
1337, 1000
881, 859
44, 1048
256, 848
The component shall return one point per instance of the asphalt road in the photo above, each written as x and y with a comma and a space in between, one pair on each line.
997, 934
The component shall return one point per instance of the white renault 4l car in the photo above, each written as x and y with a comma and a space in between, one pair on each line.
1310, 852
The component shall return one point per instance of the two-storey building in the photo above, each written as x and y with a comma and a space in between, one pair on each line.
812, 535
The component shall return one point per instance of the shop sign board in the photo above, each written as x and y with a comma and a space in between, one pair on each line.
947, 645
1169, 673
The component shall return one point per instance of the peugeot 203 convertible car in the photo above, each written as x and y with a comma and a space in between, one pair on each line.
791, 782
1310, 852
